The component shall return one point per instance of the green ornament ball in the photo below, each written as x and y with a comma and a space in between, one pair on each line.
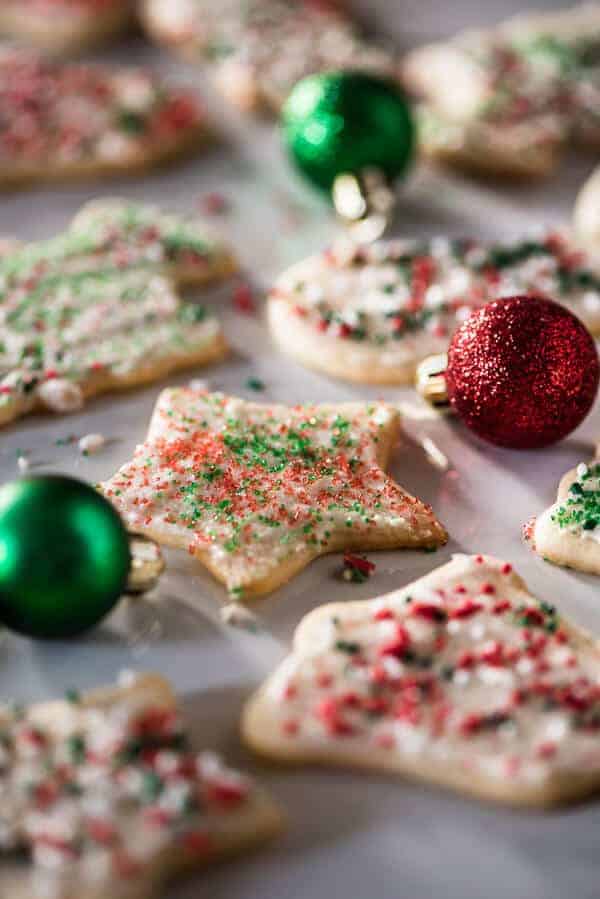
64, 557
344, 122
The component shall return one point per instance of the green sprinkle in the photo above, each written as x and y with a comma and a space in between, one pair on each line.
255, 384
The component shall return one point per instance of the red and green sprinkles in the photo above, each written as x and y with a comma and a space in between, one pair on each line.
489, 675
53, 113
156, 792
254, 485
431, 286
54, 294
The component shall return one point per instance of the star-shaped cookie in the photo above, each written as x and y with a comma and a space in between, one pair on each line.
259, 49
463, 679
372, 313
107, 797
568, 533
95, 308
256, 491
509, 99
63, 26
64, 120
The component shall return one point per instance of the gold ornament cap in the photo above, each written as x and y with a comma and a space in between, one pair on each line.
364, 203
430, 381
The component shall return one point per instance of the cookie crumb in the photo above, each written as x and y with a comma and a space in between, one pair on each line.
61, 395
91, 443
236, 615
214, 203
127, 677
357, 569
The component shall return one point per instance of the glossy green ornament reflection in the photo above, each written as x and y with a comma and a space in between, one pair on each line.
64, 556
345, 122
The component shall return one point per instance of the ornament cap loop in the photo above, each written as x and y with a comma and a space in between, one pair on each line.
431, 381
147, 565
364, 202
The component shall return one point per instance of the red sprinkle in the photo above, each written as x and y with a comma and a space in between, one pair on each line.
243, 299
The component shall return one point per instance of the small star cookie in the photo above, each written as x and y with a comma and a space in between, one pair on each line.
259, 49
64, 120
95, 308
373, 313
63, 26
257, 491
105, 794
568, 533
462, 679
508, 100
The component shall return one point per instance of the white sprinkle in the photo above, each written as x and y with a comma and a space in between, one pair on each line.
23, 463
199, 384
477, 631
91, 443
127, 677
461, 678
582, 470
434, 295
556, 728
524, 666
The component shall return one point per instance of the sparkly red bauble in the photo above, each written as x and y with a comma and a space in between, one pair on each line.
522, 372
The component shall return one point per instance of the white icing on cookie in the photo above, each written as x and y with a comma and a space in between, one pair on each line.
256, 490
462, 678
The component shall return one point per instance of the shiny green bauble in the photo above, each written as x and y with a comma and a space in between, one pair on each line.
345, 122
64, 557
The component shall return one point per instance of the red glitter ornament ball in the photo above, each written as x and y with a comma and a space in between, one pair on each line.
522, 372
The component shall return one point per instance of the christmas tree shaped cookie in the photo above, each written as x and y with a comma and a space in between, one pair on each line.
259, 49
509, 99
96, 309
372, 313
63, 26
106, 796
568, 533
256, 491
63, 120
462, 679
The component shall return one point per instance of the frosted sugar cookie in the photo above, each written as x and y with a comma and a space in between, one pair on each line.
64, 120
63, 26
258, 49
372, 313
96, 309
107, 797
257, 491
568, 533
463, 679
508, 99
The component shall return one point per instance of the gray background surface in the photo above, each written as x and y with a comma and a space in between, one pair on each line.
348, 835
